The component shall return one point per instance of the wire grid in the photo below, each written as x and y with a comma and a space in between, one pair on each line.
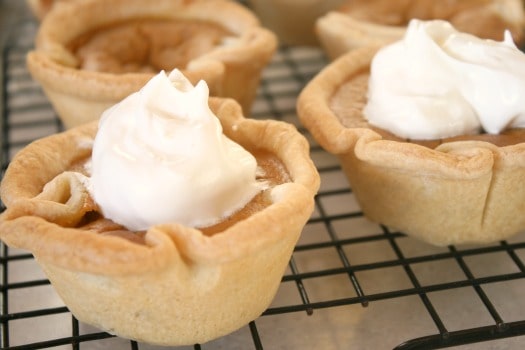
342, 262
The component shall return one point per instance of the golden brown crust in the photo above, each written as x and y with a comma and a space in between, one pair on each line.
178, 286
231, 70
459, 192
379, 22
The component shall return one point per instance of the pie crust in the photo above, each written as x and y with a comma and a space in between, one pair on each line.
453, 191
170, 285
380, 22
80, 95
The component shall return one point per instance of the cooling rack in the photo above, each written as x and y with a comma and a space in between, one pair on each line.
351, 283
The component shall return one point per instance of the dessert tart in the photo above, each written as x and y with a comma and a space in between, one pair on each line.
90, 54
379, 22
169, 284
462, 189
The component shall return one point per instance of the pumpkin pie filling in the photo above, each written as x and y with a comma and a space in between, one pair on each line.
348, 102
270, 170
146, 45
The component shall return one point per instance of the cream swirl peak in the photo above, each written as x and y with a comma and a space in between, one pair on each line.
160, 156
437, 82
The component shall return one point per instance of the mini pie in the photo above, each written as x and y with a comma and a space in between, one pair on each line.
90, 54
466, 189
170, 285
380, 22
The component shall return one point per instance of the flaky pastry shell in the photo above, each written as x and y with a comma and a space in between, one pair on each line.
452, 192
341, 31
180, 286
78, 95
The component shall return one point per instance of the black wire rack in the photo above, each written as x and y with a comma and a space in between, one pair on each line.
350, 283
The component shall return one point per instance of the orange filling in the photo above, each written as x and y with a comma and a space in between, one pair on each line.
148, 45
350, 99
271, 169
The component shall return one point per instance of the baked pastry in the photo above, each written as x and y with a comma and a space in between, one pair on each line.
459, 189
91, 54
169, 284
293, 20
379, 22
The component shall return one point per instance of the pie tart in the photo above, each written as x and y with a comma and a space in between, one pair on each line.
466, 189
380, 22
169, 285
90, 54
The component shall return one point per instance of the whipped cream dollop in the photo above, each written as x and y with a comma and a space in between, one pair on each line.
160, 156
437, 82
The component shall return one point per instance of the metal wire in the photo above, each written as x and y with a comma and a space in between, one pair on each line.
292, 67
